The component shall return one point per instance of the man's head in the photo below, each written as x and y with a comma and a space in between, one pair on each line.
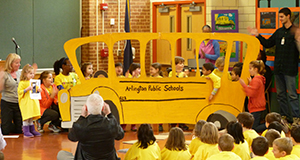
285, 15
260, 146
282, 147
94, 104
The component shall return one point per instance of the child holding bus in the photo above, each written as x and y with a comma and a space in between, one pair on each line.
30, 108
220, 66
207, 71
209, 136
196, 142
175, 147
235, 73
87, 70
256, 93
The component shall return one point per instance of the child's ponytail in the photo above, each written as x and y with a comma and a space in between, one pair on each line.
259, 64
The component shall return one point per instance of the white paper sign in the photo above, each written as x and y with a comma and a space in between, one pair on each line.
34, 93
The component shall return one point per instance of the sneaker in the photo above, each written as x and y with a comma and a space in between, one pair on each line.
296, 121
39, 126
53, 128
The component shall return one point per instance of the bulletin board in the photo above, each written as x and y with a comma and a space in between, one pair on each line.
267, 20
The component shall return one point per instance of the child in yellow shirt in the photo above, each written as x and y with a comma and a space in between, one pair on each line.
282, 148
220, 66
295, 136
271, 117
259, 148
196, 142
179, 65
271, 135
207, 71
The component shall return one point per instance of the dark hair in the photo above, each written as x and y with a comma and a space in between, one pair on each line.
58, 64
286, 11
84, 66
263, 56
133, 67
238, 64
276, 125
237, 71
295, 133
260, 65
209, 66
44, 75
260, 146
178, 59
157, 65
271, 135
235, 129
145, 136
119, 64
246, 119
206, 26
198, 127
176, 140
273, 116
226, 142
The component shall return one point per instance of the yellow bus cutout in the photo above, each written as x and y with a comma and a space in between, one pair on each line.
156, 100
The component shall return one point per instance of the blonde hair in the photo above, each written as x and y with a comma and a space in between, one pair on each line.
178, 59
176, 140
220, 61
9, 60
259, 64
284, 144
25, 71
209, 133
226, 142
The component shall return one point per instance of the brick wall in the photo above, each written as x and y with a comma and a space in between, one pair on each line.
140, 22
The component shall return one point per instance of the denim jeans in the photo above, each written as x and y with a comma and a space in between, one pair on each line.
257, 126
287, 83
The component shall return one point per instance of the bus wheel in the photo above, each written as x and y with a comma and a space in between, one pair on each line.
113, 109
220, 118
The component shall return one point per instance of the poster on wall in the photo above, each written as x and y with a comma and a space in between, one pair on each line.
224, 20
267, 20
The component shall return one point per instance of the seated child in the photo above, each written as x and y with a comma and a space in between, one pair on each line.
226, 144
179, 65
235, 73
134, 70
209, 138
155, 70
295, 136
119, 69
207, 70
146, 146
175, 147
271, 135
276, 125
220, 66
87, 70
271, 117
241, 147
282, 148
196, 142
259, 148
246, 119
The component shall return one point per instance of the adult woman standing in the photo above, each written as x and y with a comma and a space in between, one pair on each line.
48, 103
11, 119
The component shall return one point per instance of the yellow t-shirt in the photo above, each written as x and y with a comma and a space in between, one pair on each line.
179, 75
152, 152
289, 157
66, 82
194, 145
218, 72
216, 80
167, 154
296, 150
270, 154
242, 150
249, 136
225, 155
264, 133
206, 150
259, 158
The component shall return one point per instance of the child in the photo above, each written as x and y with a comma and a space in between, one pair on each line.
226, 144
271, 117
271, 135
119, 69
87, 70
241, 147
259, 148
145, 147
282, 148
134, 70
256, 93
295, 136
209, 137
220, 66
155, 70
196, 142
175, 147
179, 65
235, 74
30, 108
276, 125
64, 79
246, 119
207, 71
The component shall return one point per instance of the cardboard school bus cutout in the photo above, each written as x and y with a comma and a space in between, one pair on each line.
156, 100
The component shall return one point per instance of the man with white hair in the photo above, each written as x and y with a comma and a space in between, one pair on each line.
95, 133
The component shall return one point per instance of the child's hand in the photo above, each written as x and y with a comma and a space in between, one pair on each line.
242, 81
249, 79
54, 92
39, 90
207, 78
210, 97
29, 88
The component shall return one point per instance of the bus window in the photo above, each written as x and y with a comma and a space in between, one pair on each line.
237, 57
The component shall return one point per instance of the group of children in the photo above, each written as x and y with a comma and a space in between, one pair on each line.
237, 142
